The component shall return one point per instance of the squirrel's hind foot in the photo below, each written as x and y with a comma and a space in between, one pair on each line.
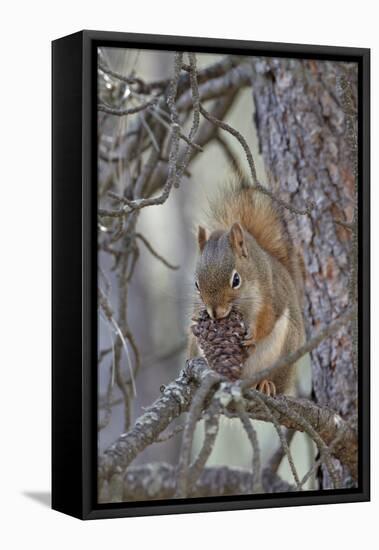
267, 387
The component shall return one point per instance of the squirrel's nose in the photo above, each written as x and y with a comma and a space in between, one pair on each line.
218, 312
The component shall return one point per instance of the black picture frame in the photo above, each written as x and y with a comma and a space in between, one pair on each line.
74, 332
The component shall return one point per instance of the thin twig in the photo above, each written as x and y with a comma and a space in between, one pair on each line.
196, 114
239, 76
252, 435
108, 403
232, 158
250, 160
166, 437
103, 301
336, 441
124, 112
143, 87
308, 428
282, 439
209, 381
182, 136
224, 126
103, 353
155, 253
150, 132
211, 427
174, 150
276, 458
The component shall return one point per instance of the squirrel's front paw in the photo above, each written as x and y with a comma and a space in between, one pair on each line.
249, 340
267, 387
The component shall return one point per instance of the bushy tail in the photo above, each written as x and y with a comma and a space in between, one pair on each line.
258, 214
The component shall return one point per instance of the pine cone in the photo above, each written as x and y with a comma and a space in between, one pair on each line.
221, 342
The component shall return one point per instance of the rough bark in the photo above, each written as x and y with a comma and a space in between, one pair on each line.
301, 124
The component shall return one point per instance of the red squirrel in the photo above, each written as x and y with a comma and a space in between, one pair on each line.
247, 261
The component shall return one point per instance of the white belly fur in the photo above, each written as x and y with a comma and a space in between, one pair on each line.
268, 350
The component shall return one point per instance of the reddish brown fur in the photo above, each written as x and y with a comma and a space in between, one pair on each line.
258, 215
265, 322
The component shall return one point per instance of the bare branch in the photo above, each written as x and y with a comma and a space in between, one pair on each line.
314, 434
224, 126
210, 72
282, 439
167, 436
276, 458
231, 157
196, 115
322, 424
209, 380
205, 134
252, 436
237, 77
175, 400
250, 160
124, 112
172, 177
141, 86
155, 253
211, 419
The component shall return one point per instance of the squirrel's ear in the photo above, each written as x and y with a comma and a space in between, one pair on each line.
237, 240
202, 237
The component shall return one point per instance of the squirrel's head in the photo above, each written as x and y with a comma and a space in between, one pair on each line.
222, 268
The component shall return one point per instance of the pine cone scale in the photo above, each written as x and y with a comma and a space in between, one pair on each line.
221, 342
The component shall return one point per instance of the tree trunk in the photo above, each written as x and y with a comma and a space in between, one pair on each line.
301, 125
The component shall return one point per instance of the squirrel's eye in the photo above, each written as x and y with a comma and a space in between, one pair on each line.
197, 286
236, 280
